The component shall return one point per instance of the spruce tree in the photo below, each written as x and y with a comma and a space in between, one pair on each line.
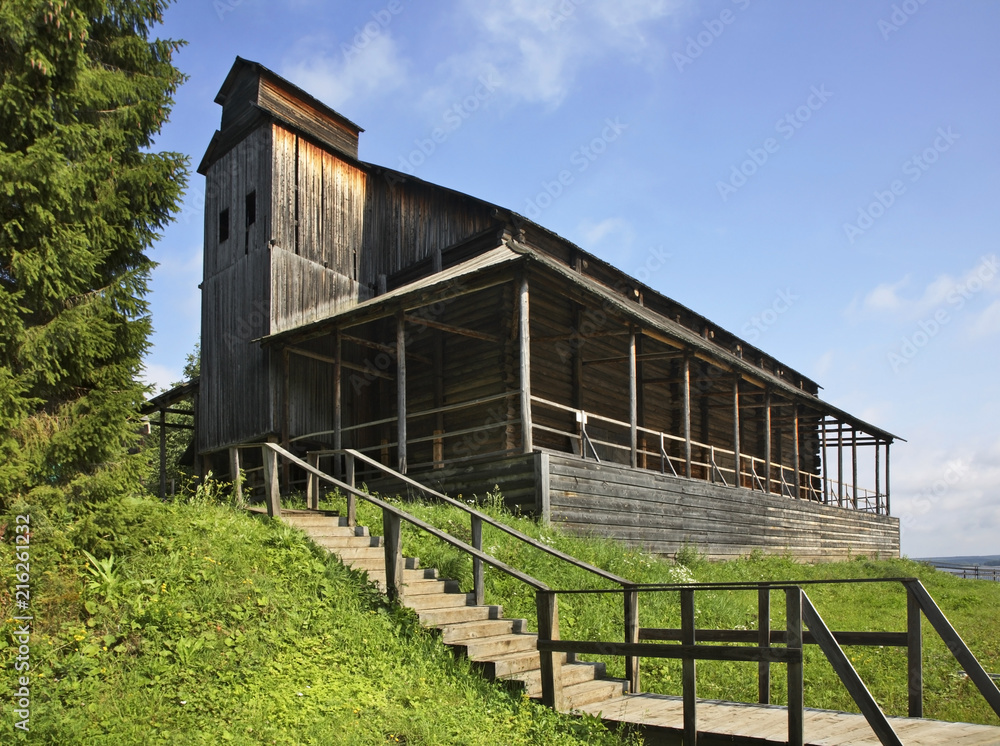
84, 89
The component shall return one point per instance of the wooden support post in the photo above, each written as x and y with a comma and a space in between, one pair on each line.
767, 442
796, 682
888, 511
524, 345
312, 483
401, 391
687, 414
547, 608
477, 564
633, 399
914, 657
632, 636
285, 416
271, 484
235, 475
352, 500
736, 430
854, 467
840, 464
163, 455
878, 477
338, 402
392, 537
796, 455
689, 669
823, 464
764, 640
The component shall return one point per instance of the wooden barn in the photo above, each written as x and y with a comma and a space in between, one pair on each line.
345, 304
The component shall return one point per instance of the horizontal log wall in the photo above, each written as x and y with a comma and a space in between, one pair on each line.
662, 513
515, 476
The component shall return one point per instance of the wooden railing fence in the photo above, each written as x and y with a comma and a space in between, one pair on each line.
690, 644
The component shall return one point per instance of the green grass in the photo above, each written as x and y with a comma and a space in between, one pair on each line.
971, 606
195, 623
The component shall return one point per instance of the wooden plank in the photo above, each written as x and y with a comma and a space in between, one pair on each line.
401, 391
524, 347
392, 542
914, 658
633, 399
764, 640
686, 414
547, 609
688, 663
631, 600
796, 681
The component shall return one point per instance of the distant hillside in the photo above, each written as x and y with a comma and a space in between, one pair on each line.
991, 560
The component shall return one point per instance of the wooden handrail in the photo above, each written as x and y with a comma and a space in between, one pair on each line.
490, 521
538, 585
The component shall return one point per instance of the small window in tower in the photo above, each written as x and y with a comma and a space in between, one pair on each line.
223, 225
251, 211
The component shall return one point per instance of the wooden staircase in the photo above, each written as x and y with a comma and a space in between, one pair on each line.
500, 647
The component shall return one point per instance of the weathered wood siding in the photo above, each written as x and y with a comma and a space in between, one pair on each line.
515, 476
235, 371
662, 513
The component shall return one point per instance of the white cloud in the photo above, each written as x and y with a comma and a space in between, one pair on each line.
592, 233
356, 68
947, 499
537, 48
987, 323
944, 291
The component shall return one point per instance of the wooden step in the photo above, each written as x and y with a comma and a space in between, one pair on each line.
498, 645
316, 532
459, 632
505, 666
337, 543
377, 564
302, 520
350, 554
530, 682
439, 600
457, 614
424, 587
589, 692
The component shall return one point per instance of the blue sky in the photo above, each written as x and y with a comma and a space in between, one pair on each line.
817, 177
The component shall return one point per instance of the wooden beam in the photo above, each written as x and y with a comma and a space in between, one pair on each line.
686, 393
689, 667
632, 636
338, 399
547, 609
840, 464
736, 428
633, 399
878, 482
823, 464
796, 682
796, 454
163, 455
392, 538
400, 393
767, 443
524, 345
854, 467
914, 658
421, 321
764, 640
887, 509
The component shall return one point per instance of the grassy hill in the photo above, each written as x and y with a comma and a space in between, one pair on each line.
195, 623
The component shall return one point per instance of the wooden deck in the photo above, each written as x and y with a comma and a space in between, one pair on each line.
661, 720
